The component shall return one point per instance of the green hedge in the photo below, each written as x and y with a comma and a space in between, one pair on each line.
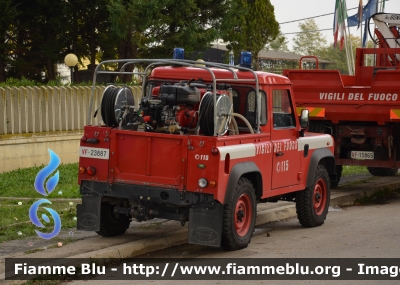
25, 82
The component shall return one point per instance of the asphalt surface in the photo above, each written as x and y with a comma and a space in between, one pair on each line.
142, 238
351, 236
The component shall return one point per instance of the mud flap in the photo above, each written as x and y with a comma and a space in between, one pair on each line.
89, 213
205, 224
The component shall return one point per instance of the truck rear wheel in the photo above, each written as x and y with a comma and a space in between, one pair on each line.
381, 171
313, 202
239, 217
112, 224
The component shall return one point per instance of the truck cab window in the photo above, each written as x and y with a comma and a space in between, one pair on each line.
283, 113
251, 108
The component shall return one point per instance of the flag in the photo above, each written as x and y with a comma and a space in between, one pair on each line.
339, 26
360, 13
366, 13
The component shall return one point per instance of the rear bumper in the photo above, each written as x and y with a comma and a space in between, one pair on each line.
143, 193
205, 215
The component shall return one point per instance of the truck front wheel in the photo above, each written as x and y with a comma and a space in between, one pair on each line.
239, 217
112, 224
313, 202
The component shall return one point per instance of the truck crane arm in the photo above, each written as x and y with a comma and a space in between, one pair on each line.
386, 28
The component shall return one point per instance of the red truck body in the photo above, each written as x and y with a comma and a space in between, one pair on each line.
173, 158
361, 111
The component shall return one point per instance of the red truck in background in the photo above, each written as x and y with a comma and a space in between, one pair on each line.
361, 111
205, 143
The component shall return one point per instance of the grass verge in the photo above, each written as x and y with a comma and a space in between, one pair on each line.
352, 170
20, 182
15, 222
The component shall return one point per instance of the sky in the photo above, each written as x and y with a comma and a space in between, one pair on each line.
290, 10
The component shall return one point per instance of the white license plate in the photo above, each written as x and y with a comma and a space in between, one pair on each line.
94, 152
362, 155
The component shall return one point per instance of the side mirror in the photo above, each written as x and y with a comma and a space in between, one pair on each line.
304, 118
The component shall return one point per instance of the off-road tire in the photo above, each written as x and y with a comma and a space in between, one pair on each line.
339, 169
112, 224
312, 203
239, 217
381, 171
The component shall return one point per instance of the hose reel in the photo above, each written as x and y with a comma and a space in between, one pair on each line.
206, 114
116, 106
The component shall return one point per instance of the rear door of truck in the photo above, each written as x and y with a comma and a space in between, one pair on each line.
148, 158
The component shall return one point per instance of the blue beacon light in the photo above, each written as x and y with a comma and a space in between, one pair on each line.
245, 59
179, 53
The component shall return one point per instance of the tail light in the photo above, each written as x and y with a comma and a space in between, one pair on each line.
91, 170
82, 170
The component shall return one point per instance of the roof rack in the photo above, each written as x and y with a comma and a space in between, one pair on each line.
152, 63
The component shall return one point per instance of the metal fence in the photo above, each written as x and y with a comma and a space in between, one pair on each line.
48, 109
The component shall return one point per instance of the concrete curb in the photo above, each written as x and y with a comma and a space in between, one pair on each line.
75, 200
263, 217
276, 215
347, 199
138, 247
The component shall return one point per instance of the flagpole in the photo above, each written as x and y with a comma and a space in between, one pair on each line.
349, 52
344, 13
361, 21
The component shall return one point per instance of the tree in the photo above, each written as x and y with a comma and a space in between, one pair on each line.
249, 26
188, 24
34, 35
6, 44
279, 44
89, 29
48, 43
309, 41
39, 33
338, 57
154, 28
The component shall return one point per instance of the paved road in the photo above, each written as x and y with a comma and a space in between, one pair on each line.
160, 234
350, 232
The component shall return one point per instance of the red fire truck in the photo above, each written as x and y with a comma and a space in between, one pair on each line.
361, 111
204, 145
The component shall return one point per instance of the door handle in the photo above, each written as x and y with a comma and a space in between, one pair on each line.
279, 153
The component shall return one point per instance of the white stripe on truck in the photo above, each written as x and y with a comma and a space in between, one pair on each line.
249, 150
237, 151
314, 142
